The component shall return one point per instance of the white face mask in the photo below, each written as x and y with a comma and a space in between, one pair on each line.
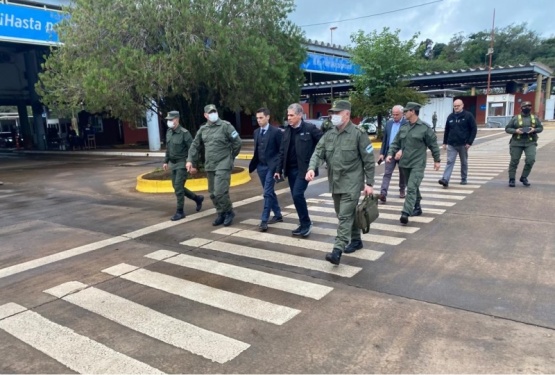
336, 120
213, 117
170, 123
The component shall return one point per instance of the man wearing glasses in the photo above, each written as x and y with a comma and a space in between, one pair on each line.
524, 129
409, 147
460, 132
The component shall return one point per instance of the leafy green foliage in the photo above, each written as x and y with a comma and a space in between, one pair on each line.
120, 55
384, 59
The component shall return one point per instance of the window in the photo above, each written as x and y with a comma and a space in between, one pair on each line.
140, 123
96, 124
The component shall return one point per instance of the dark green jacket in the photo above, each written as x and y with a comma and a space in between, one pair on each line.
350, 158
523, 139
178, 142
221, 145
414, 140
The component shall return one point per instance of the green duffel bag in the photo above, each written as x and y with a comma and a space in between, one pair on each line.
367, 212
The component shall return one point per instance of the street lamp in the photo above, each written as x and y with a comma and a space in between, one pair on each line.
331, 33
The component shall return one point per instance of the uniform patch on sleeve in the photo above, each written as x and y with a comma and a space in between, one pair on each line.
234, 134
369, 148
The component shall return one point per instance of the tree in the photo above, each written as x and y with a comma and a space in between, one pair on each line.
120, 55
383, 60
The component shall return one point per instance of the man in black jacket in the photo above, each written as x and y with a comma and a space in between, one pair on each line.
267, 142
299, 141
460, 131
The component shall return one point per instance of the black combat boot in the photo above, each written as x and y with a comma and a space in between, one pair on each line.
524, 181
334, 257
511, 182
179, 214
219, 220
417, 210
353, 246
228, 218
443, 182
404, 218
199, 199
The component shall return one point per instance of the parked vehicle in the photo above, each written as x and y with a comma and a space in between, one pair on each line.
370, 124
317, 121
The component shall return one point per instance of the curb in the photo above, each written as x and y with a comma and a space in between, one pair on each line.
195, 184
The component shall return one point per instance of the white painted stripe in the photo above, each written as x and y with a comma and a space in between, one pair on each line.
6, 191
450, 190
268, 280
470, 178
374, 225
427, 210
388, 240
76, 352
7, 195
365, 254
25, 266
236, 303
276, 257
413, 219
381, 207
425, 202
207, 344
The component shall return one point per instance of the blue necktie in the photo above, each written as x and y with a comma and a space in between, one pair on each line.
263, 132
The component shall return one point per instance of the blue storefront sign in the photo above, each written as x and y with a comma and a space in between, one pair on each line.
329, 64
28, 25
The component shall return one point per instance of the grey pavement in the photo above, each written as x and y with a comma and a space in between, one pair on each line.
95, 267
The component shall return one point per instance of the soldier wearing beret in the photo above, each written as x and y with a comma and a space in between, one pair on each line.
350, 158
221, 146
409, 147
524, 129
178, 142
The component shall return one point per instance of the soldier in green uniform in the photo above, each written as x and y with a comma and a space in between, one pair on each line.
350, 158
524, 129
178, 141
409, 147
221, 146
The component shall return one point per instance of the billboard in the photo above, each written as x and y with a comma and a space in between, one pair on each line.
28, 25
329, 64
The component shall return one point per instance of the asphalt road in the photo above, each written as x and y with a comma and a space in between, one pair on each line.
94, 278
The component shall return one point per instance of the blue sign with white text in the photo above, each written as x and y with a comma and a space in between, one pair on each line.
28, 25
329, 64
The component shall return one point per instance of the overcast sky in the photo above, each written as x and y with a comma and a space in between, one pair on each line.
438, 20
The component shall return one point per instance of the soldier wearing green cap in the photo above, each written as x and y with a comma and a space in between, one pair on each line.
221, 146
524, 129
409, 147
350, 158
178, 142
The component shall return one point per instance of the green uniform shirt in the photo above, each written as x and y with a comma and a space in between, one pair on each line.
221, 145
350, 158
414, 139
523, 139
178, 142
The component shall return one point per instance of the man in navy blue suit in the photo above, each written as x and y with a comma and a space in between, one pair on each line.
391, 129
267, 141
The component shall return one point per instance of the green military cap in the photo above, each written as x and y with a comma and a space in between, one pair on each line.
412, 105
340, 105
209, 108
172, 114
523, 104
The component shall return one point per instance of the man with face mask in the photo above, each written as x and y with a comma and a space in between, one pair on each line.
524, 129
178, 142
221, 146
350, 158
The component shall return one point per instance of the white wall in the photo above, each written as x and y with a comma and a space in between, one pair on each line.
443, 108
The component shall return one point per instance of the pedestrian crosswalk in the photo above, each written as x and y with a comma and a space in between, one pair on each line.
228, 253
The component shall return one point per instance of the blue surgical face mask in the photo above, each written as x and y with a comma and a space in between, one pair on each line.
213, 117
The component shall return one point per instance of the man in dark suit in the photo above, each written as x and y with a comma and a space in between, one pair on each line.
391, 129
299, 141
267, 141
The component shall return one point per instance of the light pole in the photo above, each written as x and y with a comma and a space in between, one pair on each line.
331, 33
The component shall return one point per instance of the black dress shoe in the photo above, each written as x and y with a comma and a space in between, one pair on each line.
229, 218
511, 182
463, 182
179, 214
404, 218
334, 257
276, 219
219, 220
297, 232
417, 211
353, 246
382, 198
443, 182
263, 226
199, 199
524, 181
